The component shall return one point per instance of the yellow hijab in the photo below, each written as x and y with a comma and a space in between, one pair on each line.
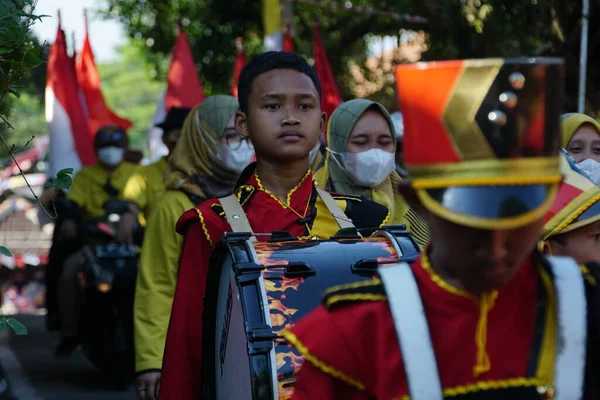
333, 177
192, 167
571, 122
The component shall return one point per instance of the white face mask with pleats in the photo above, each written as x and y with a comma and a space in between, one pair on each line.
235, 159
368, 168
591, 168
232, 159
313, 153
111, 156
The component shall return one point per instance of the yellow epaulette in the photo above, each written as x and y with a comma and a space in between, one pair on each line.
343, 196
367, 290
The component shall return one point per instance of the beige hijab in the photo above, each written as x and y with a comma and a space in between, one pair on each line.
191, 165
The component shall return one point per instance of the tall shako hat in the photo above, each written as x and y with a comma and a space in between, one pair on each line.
481, 138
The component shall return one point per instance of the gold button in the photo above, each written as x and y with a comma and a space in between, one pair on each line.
546, 392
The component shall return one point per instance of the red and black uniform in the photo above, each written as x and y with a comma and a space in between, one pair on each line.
514, 335
304, 216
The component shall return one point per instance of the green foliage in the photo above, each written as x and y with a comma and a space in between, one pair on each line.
213, 26
63, 179
27, 116
139, 105
456, 29
18, 54
5, 251
17, 327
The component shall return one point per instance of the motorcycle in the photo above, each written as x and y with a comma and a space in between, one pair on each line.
107, 281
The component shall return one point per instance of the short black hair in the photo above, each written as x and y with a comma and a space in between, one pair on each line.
269, 61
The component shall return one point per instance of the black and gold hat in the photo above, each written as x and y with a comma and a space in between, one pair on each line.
481, 138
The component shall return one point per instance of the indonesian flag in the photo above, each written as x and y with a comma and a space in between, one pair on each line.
183, 90
71, 142
240, 61
331, 94
288, 43
89, 81
273, 36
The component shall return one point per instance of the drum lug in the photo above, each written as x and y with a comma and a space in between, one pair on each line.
281, 236
298, 269
395, 229
260, 338
248, 268
236, 236
347, 233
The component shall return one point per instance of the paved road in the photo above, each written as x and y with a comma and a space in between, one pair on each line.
34, 373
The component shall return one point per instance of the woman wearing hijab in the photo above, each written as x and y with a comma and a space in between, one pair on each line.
205, 164
361, 161
572, 227
581, 139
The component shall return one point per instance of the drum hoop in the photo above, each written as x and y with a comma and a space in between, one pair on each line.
223, 251
267, 315
392, 239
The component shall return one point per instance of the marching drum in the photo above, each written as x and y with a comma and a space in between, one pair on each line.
257, 289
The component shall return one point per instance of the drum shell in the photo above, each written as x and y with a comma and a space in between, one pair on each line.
270, 300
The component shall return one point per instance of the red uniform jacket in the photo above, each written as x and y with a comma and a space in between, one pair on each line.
508, 354
203, 227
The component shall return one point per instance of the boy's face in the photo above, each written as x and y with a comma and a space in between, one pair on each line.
582, 244
482, 260
284, 118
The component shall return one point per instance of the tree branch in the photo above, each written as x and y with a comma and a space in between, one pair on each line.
8, 124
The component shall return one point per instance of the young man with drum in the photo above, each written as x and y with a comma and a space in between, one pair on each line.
481, 315
280, 97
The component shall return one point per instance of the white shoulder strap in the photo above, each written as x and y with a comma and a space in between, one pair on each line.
412, 331
338, 214
235, 215
572, 328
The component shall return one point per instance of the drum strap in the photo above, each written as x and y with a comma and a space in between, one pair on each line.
572, 328
338, 214
412, 331
235, 215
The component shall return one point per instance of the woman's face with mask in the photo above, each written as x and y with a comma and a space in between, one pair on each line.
370, 154
372, 131
235, 152
585, 144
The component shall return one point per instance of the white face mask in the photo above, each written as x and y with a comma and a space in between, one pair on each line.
592, 169
235, 159
111, 156
314, 152
368, 168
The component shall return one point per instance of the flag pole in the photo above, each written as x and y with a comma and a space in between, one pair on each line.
585, 17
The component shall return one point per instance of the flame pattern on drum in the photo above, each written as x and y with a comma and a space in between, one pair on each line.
287, 302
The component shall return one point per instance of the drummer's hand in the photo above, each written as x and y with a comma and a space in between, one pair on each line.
147, 385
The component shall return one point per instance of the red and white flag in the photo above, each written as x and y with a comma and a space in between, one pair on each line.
288, 43
71, 142
240, 61
331, 94
88, 78
183, 90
